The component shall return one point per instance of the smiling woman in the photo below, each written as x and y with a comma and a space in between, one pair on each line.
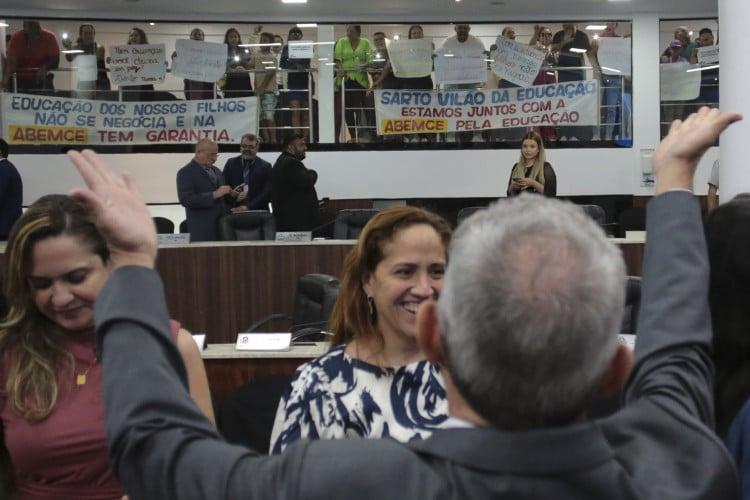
51, 404
398, 263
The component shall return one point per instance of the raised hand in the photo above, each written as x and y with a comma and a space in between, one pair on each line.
679, 152
115, 206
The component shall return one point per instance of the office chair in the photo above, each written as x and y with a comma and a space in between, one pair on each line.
183, 227
600, 217
632, 219
314, 299
163, 225
467, 212
253, 225
632, 305
349, 222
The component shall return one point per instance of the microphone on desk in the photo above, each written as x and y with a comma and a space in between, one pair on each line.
304, 330
322, 226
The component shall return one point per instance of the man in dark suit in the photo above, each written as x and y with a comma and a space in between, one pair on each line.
293, 196
249, 176
11, 192
525, 330
202, 190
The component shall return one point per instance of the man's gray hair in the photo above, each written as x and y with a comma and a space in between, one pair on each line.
250, 137
530, 310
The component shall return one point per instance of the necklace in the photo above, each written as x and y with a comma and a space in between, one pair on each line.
81, 376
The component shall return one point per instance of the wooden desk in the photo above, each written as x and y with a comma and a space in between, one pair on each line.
220, 288
228, 369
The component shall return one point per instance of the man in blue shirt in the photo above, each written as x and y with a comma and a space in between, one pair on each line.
249, 176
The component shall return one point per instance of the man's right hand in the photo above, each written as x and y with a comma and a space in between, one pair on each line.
222, 191
678, 154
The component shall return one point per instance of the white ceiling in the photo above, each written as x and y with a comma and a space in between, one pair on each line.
354, 10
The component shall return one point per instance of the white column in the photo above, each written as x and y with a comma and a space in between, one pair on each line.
734, 176
326, 126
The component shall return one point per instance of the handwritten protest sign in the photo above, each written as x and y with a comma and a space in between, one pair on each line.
460, 65
418, 112
614, 56
301, 49
678, 82
708, 55
32, 119
199, 61
516, 62
410, 58
86, 68
137, 64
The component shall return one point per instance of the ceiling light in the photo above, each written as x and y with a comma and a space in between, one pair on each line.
3, 24
307, 25
64, 36
152, 24
577, 50
72, 51
448, 55
396, 37
293, 1
704, 68
596, 27
321, 59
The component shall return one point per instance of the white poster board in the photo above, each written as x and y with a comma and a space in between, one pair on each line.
708, 55
615, 55
86, 68
518, 63
302, 49
460, 65
679, 81
199, 61
411, 58
137, 64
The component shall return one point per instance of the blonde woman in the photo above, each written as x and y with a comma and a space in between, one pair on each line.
532, 173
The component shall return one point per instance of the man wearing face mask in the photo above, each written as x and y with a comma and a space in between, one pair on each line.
293, 196
249, 176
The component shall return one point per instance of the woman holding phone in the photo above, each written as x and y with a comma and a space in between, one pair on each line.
532, 173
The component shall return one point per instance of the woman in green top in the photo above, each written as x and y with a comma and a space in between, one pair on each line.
351, 53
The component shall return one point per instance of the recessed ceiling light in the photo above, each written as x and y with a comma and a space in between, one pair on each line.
596, 27
307, 25
577, 50
152, 24
396, 37
293, 1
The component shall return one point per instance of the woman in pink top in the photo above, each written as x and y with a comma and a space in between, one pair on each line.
51, 401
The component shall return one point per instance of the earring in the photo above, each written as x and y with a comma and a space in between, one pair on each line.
371, 308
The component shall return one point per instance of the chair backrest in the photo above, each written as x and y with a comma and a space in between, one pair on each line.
163, 225
595, 212
632, 305
314, 299
632, 219
467, 212
349, 222
253, 225
183, 227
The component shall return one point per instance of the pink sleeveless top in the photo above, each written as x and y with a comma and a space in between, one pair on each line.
64, 456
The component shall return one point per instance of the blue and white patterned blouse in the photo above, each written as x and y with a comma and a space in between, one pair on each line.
337, 396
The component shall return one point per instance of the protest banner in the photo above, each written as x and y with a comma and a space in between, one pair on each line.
614, 56
137, 64
199, 61
708, 55
302, 49
33, 119
460, 65
410, 58
679, 81
418, 112
516, 62
85, 66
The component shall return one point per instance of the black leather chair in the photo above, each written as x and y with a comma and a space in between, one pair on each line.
632, 219
314, 299
632, 305
349, 222
600, 217
253, 225
163, 225
183, 227
467, 212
